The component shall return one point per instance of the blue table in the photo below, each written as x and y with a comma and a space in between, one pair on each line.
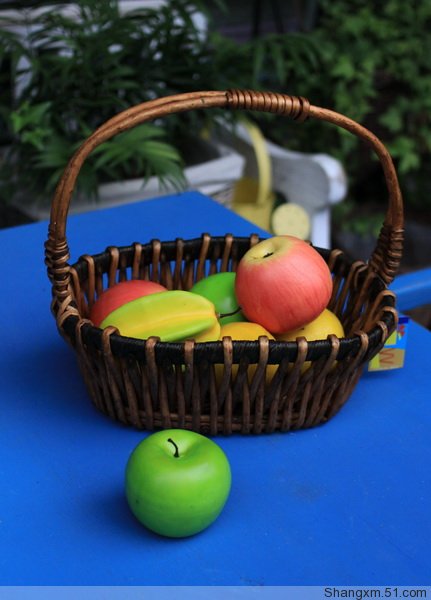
347, 503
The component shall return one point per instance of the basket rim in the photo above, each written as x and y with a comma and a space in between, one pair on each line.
124, 346
278, 350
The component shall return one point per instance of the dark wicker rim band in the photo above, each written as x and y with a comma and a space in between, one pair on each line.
214, 351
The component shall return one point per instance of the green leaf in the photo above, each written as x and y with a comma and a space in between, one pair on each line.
279, 62
344, 68
404, 149
393, 119
28, 115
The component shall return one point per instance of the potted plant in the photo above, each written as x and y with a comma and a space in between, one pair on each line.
77, 67
74, 69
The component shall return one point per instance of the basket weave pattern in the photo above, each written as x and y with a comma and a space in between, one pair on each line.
151, 384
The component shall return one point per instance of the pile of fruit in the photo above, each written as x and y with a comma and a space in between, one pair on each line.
178, 481
281, 290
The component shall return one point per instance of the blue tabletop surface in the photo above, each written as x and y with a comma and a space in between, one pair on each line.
347, 503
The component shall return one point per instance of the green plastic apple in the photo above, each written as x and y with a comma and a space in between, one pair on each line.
220, 289
177, 482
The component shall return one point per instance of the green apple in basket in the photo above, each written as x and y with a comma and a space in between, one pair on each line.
177, 482
219, 288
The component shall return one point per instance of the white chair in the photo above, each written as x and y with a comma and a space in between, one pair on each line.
312, 183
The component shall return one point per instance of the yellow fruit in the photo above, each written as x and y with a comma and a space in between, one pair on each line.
325, 324
319, 329
245, 331
209, 335
172, 316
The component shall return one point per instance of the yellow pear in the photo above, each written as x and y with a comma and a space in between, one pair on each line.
325, 324
245, 331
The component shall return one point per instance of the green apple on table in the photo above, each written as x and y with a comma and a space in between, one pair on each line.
177, 482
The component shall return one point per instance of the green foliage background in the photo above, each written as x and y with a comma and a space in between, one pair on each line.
366, 59
373, 65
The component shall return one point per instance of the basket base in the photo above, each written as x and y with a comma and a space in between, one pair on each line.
305, 408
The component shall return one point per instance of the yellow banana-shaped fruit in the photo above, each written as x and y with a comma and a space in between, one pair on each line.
209, 335
172, 316
245, 331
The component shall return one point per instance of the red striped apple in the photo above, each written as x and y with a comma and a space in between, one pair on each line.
282, 283
119, 294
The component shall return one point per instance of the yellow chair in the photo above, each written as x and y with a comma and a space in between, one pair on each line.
254, 197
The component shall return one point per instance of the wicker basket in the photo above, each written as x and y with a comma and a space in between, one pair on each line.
151, 384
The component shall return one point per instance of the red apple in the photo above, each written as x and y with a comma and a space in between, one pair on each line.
282, 283
119, 294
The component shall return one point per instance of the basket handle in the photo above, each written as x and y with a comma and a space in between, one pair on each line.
387, 254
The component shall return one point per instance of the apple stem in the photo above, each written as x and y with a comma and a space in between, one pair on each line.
176, 455
221, 315
268, 254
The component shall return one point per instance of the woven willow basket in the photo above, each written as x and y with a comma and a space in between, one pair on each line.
151, 384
